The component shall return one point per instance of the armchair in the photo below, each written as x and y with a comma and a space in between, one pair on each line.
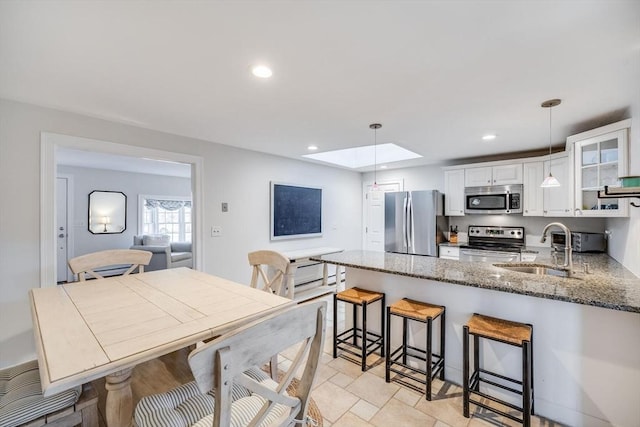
165, 254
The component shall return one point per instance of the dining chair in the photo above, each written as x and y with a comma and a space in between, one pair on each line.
272, 272
229, 388
86, 264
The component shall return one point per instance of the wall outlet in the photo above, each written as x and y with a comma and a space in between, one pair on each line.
216, 231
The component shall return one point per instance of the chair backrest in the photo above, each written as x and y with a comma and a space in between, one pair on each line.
87, 263
272, 272
219, 363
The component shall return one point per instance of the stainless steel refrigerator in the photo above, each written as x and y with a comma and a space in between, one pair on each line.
414, 222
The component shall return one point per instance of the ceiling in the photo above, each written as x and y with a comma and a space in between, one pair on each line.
438, 75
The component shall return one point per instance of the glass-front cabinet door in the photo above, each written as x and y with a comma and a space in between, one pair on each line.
599, 161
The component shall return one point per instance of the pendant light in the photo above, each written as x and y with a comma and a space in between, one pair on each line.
550, 181
375, 127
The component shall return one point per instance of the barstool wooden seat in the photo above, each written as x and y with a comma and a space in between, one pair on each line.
508, 332
347, 340
422, 312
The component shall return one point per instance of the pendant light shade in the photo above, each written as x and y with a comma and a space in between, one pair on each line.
375, 127
550, 181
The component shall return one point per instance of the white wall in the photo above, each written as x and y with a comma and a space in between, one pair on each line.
416, 178
86, 180
236, 176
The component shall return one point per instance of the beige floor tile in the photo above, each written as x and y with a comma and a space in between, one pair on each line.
341, 380
373, 389
332, 400
448, 410
441, 424
351, 420
408, 396
346, 367
323, 373
364, 409
396, 413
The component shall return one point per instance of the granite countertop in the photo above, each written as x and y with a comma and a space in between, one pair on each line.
609, 285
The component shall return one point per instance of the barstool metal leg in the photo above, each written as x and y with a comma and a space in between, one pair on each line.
355, 323
476, 359
364, 335
428, 357
533, 400
526, 384
465, 371
442, 341
335, 326
404, 339
382, 346
387, 374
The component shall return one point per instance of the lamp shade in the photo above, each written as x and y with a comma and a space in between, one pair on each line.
550, 181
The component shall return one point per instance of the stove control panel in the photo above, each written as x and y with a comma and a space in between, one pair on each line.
496, 232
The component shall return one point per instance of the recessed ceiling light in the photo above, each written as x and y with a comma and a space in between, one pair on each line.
312, 147
383, 166
489, 137
262, 71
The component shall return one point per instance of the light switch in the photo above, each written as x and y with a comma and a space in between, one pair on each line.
225, 207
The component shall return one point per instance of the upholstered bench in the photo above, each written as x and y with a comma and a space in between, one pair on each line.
22, 402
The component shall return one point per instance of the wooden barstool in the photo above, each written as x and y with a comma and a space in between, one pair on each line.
347, 340
425, 313
508, 332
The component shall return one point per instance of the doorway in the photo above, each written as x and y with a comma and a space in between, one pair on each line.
49, 232
64, 219
373, 212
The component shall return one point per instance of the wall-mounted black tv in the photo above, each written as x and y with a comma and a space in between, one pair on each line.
296, 211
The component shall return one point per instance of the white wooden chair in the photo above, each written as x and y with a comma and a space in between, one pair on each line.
86, 264
242, 394
272, 272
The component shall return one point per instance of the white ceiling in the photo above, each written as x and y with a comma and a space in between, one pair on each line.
437, 74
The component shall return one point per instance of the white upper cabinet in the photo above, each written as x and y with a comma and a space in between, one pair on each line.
454, 192
493, 175
600, 158
558, 201
532, 199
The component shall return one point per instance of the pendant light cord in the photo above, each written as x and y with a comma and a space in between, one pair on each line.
550, 108
375, 156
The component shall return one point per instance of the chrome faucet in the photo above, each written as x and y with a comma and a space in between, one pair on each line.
568, 262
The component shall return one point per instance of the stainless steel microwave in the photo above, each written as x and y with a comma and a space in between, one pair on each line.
495, 199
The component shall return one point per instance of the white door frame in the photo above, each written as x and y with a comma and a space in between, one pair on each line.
70, 220
48, 144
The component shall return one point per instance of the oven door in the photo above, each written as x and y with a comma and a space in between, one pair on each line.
481, 255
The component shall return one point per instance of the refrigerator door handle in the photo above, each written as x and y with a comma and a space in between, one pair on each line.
405, 237
410, 236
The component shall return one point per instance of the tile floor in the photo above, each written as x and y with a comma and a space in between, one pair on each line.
347, 397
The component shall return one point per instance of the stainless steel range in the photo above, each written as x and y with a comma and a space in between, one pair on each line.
493, 244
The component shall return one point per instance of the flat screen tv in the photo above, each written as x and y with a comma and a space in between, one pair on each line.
296, 211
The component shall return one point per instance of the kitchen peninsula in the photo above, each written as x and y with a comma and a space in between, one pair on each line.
586, 328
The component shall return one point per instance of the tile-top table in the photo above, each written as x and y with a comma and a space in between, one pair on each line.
104, 328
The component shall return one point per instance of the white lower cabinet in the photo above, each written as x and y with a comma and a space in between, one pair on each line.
449, 252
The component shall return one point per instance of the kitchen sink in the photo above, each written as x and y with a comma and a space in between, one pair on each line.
539, 269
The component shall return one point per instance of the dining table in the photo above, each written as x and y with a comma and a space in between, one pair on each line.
105, 327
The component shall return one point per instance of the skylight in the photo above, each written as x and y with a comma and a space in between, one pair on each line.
360, 157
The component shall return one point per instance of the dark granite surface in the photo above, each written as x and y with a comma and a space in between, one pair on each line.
608, 285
